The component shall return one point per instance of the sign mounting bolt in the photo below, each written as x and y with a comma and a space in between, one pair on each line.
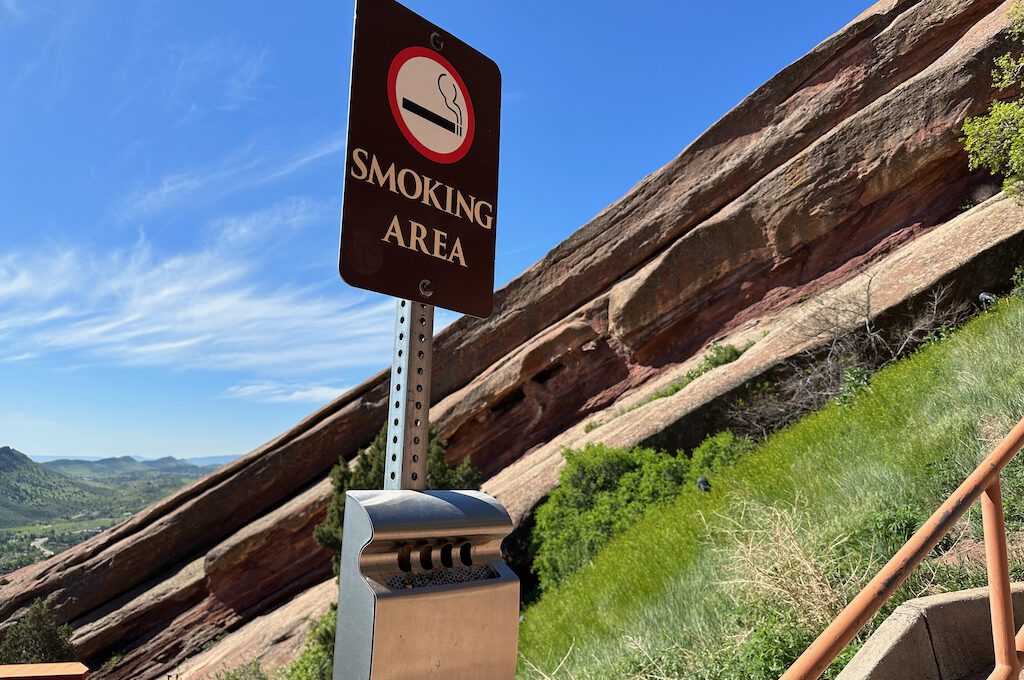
436, 41
426, 288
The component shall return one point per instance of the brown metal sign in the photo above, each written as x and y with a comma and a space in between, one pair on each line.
421, 167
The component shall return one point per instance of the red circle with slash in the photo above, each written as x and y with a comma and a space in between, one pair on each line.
431, 104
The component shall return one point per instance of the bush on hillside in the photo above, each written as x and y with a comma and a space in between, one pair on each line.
719, 451
250, 671
603, 491
367, 472
1018, 282
995, 140
317, 658
718, 355
37, 638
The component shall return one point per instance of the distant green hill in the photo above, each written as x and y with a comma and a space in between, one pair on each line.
30, 492
78, 490
126, 468
170, 465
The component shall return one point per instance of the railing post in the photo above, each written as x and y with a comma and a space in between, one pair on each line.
983, 481
1000, 600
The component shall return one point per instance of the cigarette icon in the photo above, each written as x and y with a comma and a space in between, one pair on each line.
454, 127
427, 114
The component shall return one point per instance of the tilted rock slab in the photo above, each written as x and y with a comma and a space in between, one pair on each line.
841, 159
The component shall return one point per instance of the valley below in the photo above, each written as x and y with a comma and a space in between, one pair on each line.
48, 507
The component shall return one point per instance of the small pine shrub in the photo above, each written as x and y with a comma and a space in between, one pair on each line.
37, 638
368, 473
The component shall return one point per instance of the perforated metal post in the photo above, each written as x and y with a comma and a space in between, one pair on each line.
409, 407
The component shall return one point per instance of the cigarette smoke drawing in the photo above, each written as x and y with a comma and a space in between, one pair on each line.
451, 103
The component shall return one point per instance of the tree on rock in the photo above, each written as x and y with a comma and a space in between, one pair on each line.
995, 141
367, 472
37, 638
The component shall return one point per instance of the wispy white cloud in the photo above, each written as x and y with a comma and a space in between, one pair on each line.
241, 86
211, 308
283, 393
243, 170
286, 217
24, 356
215, 75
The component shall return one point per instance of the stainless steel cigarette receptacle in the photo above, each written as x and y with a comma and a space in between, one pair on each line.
424, 592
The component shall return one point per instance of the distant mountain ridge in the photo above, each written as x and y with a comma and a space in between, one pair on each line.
199, 461
38, 493
128, 465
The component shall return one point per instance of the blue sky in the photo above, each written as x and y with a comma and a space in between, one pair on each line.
170, 183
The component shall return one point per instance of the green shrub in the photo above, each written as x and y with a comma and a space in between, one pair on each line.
317, 658
995, 140
719, 451
602, 491
368, 473
718, 355
765, 654
854, 381
37, 638
250, 671
1018, 282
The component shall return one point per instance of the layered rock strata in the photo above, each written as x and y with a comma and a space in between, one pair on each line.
842, 162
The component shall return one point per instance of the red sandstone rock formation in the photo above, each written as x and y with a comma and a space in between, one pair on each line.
845, 159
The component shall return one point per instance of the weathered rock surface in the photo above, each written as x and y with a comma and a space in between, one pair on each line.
844, 162
977, 251
274, 639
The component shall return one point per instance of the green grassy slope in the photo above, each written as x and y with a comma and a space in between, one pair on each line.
693, 580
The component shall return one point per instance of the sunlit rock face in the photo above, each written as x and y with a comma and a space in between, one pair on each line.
843, 161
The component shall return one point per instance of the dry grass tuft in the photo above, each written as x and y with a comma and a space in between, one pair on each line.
773, 553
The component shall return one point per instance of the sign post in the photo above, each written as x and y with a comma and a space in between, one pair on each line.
405, 465
424, 591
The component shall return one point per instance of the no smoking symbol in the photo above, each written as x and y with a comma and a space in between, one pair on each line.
431, 104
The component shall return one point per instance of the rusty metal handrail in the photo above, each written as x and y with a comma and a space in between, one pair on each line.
982, 483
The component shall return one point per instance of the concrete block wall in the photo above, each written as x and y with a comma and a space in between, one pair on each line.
940, 637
